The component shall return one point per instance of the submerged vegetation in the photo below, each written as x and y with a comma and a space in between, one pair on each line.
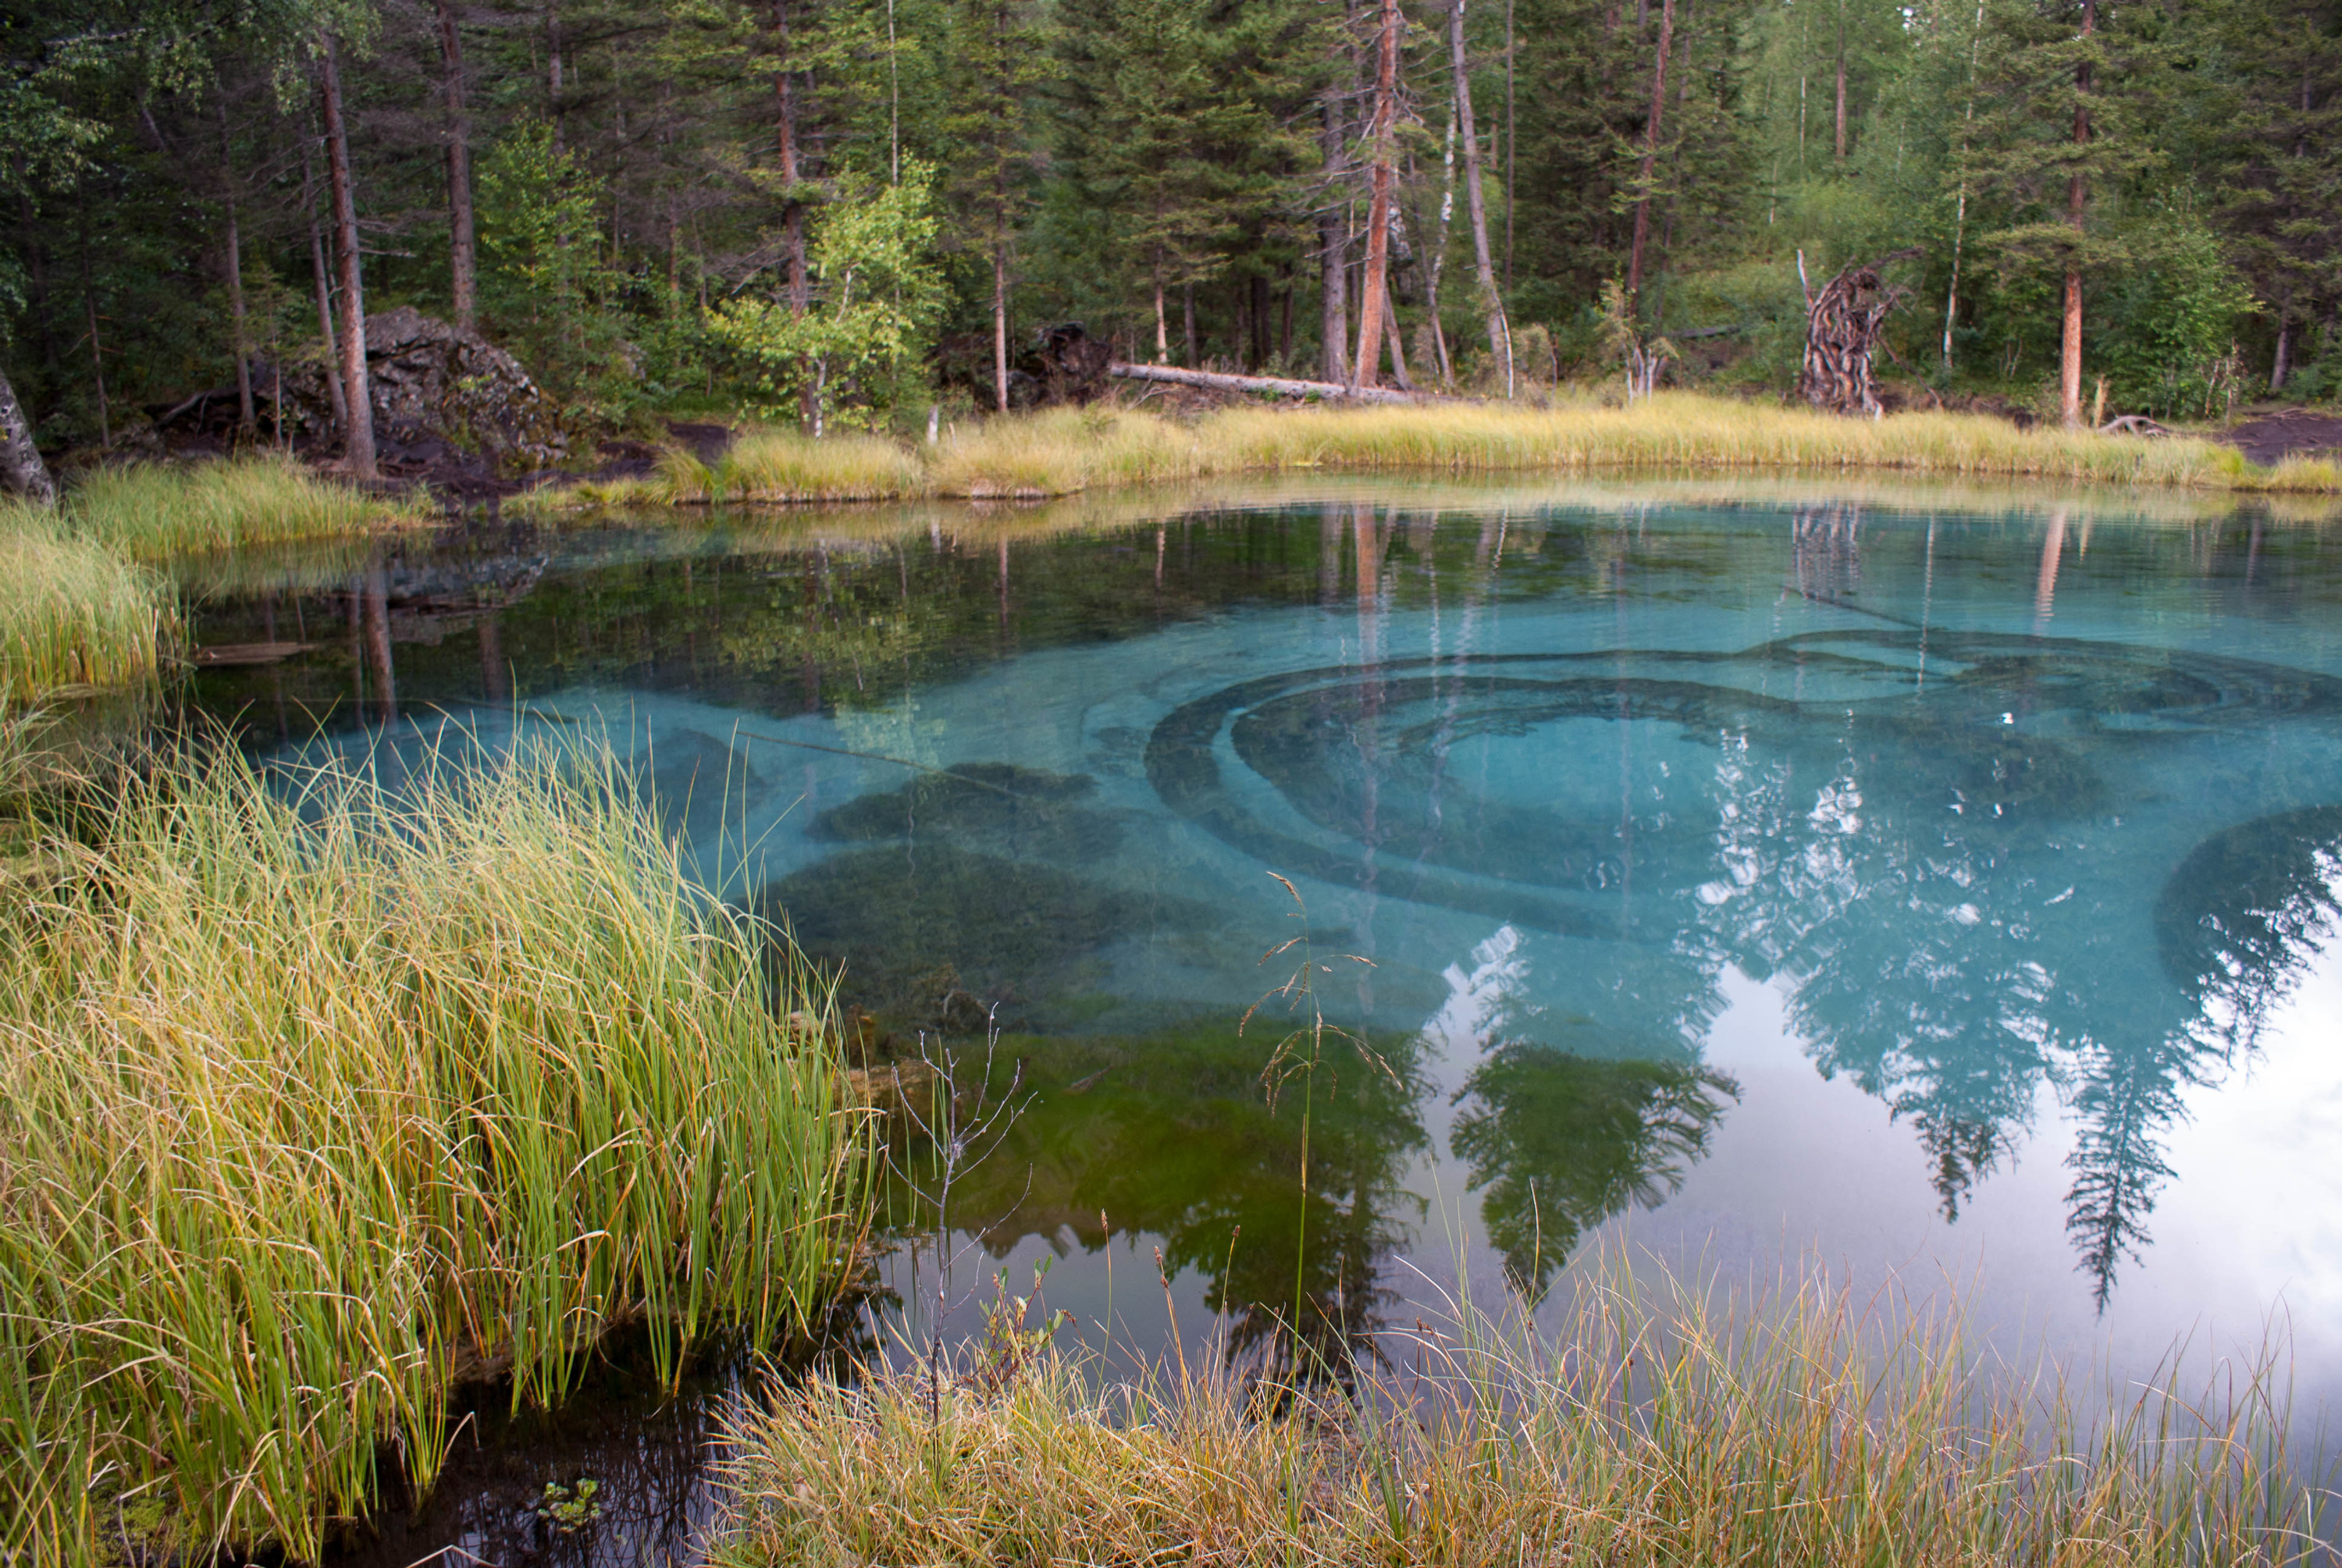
1069, 451
319, 1096
1651, 1427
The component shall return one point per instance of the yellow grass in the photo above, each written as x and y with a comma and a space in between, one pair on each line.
1655, 1430
151, 511
72, 612
1066, 452
316, 1100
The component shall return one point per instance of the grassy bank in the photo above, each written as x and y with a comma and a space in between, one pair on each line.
72, 612
149, 512
1648, 1431
311, 1107
1067, 450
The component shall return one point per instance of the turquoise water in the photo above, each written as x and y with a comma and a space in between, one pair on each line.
1944, 888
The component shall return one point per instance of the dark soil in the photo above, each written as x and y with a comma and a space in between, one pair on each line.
2272, 437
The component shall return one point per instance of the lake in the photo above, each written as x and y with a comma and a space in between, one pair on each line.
1933, 885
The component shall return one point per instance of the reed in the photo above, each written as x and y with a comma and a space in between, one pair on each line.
150, 511
1653, 1428
1066, 452
316, 1098
71, 612
785, 465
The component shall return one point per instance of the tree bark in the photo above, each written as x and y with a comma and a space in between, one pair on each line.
97, 350
793, 212
1000, 321
1278, 385
1378, 216
323, 278
1650, 159
22, 472
1841, 81
2283, 365
246, 420
462, 256
357, 451
2077, 196
1492, 303
1334, 249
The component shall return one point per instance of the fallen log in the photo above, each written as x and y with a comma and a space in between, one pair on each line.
2133, 425
1277, 386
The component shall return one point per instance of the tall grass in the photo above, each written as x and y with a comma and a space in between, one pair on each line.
1065, 451
150, 511
71, 612
315, 1101
1655, 1428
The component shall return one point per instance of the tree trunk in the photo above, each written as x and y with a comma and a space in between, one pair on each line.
1162, 337
323, 278
1511, 158
1000, 322
1398, 340
22, 472
793, 214
1650, 159
97, 350
2283, 366
246, 420
1187, 311
2069, 359
553, 108
1334, 249
1378, 216
1279, 386
357, 453
1491, 301
1437, 271
1841, 81
462, 256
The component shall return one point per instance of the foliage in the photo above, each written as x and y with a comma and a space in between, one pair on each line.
855, 356
545, 284
2171, 320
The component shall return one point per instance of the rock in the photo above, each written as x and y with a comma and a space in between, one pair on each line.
430, 382
447, 404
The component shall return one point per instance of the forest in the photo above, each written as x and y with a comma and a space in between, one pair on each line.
852, 214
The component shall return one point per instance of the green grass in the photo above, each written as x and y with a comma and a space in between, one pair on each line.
312, 1106
1652, 1430
150, 511
1065, 452
73, 613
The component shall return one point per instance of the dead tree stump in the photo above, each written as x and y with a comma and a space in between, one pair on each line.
1842, 326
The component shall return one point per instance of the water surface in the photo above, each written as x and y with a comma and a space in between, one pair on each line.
1935, 884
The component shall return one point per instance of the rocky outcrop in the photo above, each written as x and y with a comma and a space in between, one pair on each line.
429, 380
447, 404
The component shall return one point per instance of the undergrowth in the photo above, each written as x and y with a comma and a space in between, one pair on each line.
1651, 1427
317, 1098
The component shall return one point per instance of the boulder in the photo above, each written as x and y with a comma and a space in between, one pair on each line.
444, 403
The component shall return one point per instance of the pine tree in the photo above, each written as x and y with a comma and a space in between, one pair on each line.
2065, 91
2279, 155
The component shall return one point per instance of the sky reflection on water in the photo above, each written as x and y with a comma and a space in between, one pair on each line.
1945, 890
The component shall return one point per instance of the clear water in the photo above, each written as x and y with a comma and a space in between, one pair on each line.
1946, 887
